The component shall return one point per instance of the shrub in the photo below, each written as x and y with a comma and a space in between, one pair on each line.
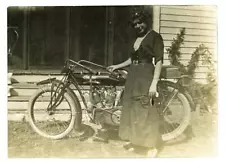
203, 94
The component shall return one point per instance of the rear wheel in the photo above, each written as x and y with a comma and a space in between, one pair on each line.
177, 112
176, 119
52, 121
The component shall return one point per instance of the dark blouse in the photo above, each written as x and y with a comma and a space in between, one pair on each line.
151, 46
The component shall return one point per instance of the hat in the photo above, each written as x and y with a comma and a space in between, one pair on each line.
142, 16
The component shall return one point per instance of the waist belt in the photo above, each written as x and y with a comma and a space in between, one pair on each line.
136, 62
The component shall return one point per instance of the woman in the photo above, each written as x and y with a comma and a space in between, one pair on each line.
140, 124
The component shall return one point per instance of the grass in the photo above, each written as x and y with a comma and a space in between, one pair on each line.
23, 142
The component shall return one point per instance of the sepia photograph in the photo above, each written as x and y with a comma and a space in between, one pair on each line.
112, 81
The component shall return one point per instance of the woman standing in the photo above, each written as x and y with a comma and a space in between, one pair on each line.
140, 124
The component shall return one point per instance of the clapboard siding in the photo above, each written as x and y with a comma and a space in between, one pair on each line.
201, 63
192, 38
190, 25
201, 32
186, 57
191, 7
188, 19
200, 23
189, 50
180, 11
167, 43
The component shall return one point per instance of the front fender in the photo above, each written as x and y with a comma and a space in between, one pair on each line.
46, 81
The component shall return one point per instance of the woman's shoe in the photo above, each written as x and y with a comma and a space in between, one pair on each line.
100, 139
140, 150
152, 153
101, 136
128, 146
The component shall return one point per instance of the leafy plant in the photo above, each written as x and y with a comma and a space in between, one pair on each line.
204, 94
174, 51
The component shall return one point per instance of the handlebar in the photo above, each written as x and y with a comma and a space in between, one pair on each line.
91, 63
115, 74
97, 65
81, 63
82, 66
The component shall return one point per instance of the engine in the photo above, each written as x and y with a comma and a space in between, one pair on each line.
102, 104
103, 97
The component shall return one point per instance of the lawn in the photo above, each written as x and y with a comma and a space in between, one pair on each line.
23, 142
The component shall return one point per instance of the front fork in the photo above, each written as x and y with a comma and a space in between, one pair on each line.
56, 97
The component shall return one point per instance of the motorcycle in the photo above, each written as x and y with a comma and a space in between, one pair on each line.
56, 108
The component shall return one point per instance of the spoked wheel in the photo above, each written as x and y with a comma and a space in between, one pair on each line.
176, 117
49, 116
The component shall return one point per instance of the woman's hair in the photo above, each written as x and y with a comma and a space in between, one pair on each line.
144, 17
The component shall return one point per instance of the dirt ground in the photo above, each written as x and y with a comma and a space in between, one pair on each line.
23, 142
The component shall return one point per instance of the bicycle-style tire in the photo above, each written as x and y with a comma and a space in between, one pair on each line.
67, 97
184, 122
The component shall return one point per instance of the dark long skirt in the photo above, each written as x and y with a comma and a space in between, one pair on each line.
138, 124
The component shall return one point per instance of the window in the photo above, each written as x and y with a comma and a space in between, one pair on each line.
15, 20
92, 34
47, 37
50, 35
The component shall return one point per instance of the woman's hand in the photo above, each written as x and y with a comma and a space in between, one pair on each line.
112, 68
118, 66
153, 89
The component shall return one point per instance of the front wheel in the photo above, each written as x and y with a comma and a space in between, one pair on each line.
50, 120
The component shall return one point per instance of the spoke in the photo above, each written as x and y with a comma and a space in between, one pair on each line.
57, 125
165, 127
65, 124
174, 125
169, 101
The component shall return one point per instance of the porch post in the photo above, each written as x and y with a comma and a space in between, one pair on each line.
76, 35
109, 35
67, 42
106, 36
25, 37
156, 18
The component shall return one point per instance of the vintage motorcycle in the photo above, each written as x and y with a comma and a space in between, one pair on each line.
56, 108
